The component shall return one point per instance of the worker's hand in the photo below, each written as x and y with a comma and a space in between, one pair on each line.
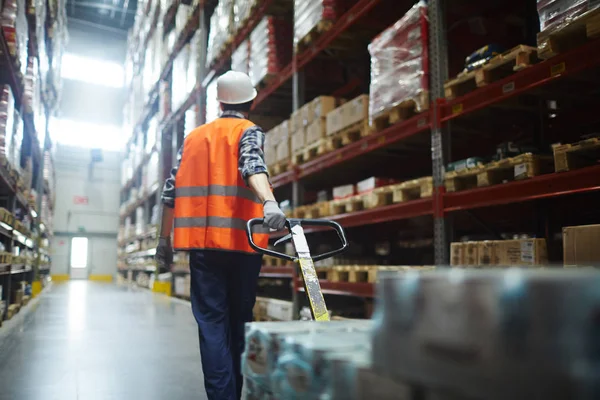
164, 253
274, 217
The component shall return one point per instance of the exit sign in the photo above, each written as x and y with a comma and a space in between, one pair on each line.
80, 200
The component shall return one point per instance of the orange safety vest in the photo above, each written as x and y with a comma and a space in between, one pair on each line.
212, 201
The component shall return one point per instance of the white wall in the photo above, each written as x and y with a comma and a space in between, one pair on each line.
77, 175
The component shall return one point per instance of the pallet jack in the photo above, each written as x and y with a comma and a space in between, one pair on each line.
303, 257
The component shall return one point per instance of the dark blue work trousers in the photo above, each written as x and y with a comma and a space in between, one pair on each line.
223, 294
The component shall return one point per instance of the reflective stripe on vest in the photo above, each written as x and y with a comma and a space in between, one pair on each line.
212, 201
217, 190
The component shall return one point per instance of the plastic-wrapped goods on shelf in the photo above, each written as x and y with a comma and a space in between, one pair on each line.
30, 81
265, 342
179, 86
190, 120
7, 122
213, 108
556, 13
164, 98
184, 12
15, 29
17, 142
240, 58
399, 63
241, 12
48, 170
151, 135
193, 66
311, 15
221, 25
270, 48
152, 173
139, 221
479, 333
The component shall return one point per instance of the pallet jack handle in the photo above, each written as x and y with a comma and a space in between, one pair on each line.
289, 224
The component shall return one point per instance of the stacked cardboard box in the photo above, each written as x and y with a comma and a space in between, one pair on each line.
518, 252
399, 63
353, 112
271, 48
580, 245
278, 144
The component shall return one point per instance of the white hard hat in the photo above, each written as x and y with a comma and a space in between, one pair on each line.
235, 88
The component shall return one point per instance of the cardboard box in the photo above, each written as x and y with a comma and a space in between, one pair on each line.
297, 122
279, 310
581, 245
284, 130
487, 253
343, 192
283, 152
350, 113
298, 140
316, 131
457, 253
471, 253
321, 106
523, 252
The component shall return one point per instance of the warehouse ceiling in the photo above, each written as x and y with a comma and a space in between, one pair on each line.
111, 15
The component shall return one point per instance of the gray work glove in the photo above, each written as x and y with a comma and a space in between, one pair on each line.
164, 253
274, 217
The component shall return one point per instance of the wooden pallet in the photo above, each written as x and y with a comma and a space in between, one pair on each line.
5, 257
345, 206
398, 193
497, 68
400, 112
348, 135
520, 167
366, 273
12, 310
313, 211
574, 34
7, 217
310, 152
313, 35
279, 167
576, 155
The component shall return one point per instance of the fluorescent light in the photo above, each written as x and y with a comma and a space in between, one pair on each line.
92, 70
33, 213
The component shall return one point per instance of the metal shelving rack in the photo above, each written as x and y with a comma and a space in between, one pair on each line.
434, 122
13, 233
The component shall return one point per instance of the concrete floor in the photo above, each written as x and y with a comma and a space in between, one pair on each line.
93, 341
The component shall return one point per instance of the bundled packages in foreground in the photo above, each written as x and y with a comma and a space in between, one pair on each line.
400, 64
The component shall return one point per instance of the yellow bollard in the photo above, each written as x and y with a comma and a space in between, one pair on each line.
36, 288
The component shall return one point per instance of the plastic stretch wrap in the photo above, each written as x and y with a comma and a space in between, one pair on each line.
213, 109
240, 59
495, 325
267, 342
241, 13
7, 122
399, 63
554, 14
221, 25
270, 48
308, 14
48, 171
179, 86
184, 12
17, 141
15, 29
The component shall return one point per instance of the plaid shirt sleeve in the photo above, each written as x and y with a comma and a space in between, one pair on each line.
251, 157
168, 194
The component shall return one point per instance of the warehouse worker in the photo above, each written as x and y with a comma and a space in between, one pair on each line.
220, 181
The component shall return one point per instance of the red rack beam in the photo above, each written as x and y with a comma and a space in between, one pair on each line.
545, 186
358, 289
575, 61
358, 10
284, 178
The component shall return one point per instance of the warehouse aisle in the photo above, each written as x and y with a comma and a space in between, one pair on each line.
91, 341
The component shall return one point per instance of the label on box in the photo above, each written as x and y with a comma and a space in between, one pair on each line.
520, 170
528, 251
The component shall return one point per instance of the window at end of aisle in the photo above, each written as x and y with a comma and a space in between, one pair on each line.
87, 135
92, 70
79, 252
